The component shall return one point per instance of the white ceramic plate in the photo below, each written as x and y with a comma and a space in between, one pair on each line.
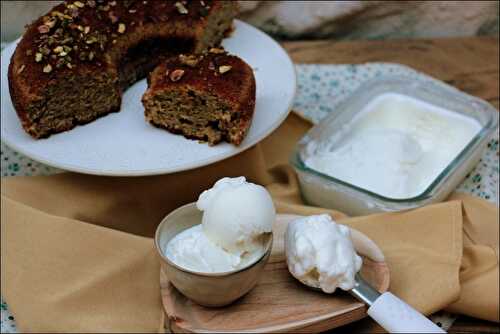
124, 144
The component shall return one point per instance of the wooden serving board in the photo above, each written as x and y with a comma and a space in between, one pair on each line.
279, 302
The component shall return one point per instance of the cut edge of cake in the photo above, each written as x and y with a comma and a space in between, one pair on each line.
209, 97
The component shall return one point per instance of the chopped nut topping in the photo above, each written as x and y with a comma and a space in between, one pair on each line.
216, 50
176, 75
121, 28
47, 68
20, 69
91, 40
189, 60
181, 8
224, 68
58, 49
66, 34
61, 15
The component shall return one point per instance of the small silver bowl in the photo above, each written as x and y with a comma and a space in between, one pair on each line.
207, 289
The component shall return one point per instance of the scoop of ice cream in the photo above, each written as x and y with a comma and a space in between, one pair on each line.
192, 250
236, 214
320, 253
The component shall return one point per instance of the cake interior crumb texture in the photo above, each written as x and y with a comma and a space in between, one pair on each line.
196, 115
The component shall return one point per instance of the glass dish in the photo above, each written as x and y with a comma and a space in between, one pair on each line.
325, 191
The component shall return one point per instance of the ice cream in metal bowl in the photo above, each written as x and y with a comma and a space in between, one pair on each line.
207, 289
213, 251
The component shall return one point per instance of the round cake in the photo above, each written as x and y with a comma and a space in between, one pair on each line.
72, 64
210, 96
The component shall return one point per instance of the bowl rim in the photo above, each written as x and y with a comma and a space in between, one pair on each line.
163, 257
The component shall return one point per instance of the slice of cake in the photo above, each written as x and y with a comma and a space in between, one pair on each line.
210, 97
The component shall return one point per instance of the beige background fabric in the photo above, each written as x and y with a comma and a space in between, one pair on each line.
78, 247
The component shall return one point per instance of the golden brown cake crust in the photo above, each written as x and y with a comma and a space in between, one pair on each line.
91, 37
213, 73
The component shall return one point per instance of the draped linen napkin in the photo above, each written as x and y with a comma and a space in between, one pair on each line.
77, 249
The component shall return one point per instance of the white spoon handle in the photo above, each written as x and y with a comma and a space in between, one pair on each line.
395, 316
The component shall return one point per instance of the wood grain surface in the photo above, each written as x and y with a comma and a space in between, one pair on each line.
470, 64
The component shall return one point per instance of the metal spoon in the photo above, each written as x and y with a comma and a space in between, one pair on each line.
390, 312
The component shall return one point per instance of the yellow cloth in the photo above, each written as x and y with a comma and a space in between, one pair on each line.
77, 254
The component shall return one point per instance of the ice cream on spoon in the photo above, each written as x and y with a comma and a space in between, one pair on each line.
320, 253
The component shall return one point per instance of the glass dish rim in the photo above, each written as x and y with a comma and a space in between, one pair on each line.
296, 160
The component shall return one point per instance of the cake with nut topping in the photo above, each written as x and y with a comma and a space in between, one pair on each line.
209, 97
72, 64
